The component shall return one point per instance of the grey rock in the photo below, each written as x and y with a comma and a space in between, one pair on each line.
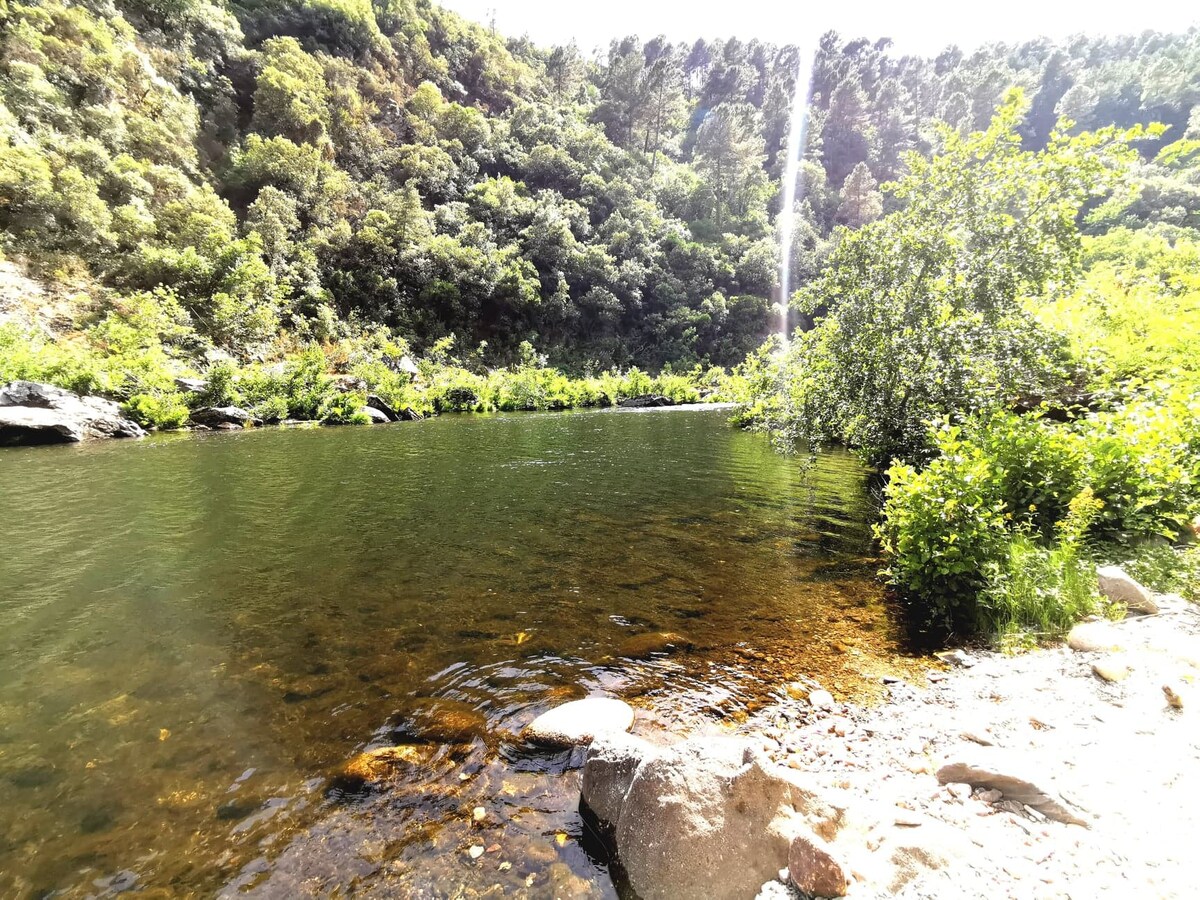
377, 417
1016, 779
957, 658
375, 402
214, 416
608, 770
36, 413
711, 817
1093, 636
192, 385
645, 401
345, 384
1116, 585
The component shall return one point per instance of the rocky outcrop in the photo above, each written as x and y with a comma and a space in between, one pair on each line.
35, 413
345, 384
579, 722
191, 385
645, 401
377, 416
1117, 586
213, 416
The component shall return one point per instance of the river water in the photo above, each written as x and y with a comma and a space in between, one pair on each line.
198, 631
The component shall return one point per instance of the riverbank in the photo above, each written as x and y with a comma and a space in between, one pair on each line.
1064, 772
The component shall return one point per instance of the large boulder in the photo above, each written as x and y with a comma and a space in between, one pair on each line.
35, 413
579, 722
612, 761
710, 817
377, 416
214, 416
1116, 585
646, 400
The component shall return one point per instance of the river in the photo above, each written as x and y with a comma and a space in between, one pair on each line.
196, 631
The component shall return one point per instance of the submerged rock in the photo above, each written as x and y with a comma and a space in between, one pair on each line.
646, 400
373, 766
641, 646
446, 721
1116, 585
35, 413
579, 722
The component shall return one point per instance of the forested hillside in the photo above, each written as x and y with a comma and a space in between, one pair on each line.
250, 178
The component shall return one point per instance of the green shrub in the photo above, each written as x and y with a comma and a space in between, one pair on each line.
271, 410
944, 529
995, 500
27, 357
1039, 591
344, 409
221, 389
164, 410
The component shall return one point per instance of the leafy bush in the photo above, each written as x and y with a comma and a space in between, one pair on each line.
221, 389
1001, 488
163, 411
1037, 590
27, 357
343, 409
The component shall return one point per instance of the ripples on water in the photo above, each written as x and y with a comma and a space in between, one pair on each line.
198, 630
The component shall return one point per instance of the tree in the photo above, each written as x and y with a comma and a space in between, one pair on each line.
925, 305
861, 200
730, 154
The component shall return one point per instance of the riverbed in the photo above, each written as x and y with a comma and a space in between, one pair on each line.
197, 631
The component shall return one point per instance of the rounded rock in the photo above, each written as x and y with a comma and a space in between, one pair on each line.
814, 870
579, 721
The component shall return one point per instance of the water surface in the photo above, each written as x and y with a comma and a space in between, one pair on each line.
196, 631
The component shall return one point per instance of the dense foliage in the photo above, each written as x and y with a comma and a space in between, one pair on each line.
262, 168
1014, 347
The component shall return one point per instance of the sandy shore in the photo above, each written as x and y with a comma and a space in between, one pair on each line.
1123, 755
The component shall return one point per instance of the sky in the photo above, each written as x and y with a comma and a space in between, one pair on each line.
916, 26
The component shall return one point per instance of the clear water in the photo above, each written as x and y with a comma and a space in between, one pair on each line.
196, 631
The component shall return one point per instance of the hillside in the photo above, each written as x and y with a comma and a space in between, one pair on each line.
208, 179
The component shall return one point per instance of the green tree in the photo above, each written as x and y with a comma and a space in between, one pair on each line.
925, 305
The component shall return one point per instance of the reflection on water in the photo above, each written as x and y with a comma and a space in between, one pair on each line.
196, 631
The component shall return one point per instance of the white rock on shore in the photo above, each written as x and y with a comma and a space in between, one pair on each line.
1116, 585
580, 721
